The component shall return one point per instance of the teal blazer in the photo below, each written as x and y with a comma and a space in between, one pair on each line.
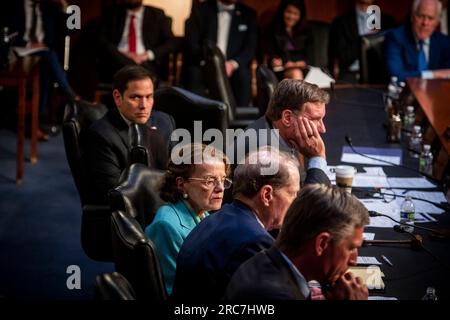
172, 224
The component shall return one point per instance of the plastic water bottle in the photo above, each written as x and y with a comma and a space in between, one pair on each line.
415, 142
393, 88
409, 120
426, 160
407, 210
430, 294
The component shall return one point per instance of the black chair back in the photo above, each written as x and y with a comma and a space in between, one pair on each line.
186, 107
113, 286
372, 67
317, 52
137, 193
136, 258
266, 82
138, 137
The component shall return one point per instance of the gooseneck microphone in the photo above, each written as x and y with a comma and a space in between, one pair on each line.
434, 232
348, 139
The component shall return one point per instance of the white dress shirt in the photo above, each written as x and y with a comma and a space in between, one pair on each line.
28, 6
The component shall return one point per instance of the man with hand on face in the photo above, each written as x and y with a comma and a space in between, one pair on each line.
105, 144
319, 240
416, 49
296, 110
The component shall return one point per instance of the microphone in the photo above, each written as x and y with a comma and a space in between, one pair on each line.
434, 233
349, 142
416, 241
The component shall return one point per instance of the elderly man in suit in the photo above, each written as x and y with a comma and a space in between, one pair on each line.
105, 143
319, 241
416, 49
135, 34
223, 241
232, 27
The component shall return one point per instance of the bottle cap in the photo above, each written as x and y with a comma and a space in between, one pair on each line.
426, 147
410, 108
417, 128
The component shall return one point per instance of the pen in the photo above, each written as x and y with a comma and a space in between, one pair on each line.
387, 260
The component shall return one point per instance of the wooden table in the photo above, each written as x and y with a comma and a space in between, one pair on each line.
433, 97
18, 74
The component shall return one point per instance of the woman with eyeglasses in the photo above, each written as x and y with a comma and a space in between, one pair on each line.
192, 186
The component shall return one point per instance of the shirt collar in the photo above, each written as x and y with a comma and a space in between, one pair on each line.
224, 7
137, 14
301, 281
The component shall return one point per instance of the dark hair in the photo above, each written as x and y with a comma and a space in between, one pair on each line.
278, 21
127, 74
249, 176
190, 154
292, 95
320, 208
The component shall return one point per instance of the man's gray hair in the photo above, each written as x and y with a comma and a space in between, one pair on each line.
416, 4
249, 177
320, 208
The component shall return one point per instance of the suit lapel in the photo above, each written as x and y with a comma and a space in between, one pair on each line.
146, 25
119, 25
232, 35
433, 60
120, 126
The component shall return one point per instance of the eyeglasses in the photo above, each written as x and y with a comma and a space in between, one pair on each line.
214, 182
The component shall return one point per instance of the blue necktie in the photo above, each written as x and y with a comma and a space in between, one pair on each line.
422, 60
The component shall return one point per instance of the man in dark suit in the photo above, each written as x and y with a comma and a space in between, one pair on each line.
135, 34
232, 27
296, 110
264, 187
319, 240
416, 49
105, 144
344, 44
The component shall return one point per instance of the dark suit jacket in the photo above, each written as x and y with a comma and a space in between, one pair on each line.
156, 32
105, 147
344, 44
215, 249
202, 27
266, 276
312, 175
402, 55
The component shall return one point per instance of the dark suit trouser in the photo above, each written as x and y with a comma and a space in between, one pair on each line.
241, 84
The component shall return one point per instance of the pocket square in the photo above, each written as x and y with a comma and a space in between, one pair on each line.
242, 27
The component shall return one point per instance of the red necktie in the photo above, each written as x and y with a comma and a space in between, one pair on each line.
132, 36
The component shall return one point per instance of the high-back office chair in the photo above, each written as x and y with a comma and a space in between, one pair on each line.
95, 224
186, 107
135, 257
113, 286
219, 87
317, 52
372, 67
137, 193
138, 135
266, 82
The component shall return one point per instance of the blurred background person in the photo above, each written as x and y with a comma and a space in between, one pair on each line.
191, 189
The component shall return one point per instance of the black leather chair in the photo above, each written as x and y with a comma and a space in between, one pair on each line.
372, 67
317, 52
266, 82
138, 136
113, 286
95, 224
137, 193
186, 107
219, 87
135, 257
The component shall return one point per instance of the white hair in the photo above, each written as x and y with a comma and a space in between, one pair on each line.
416, 4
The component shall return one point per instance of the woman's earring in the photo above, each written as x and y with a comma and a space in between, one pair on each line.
185, 195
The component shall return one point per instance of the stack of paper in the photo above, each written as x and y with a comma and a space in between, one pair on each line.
371, 276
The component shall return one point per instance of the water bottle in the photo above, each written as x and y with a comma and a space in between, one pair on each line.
407, 210
415, 142
393, 88
426, 160
409, 120
430, 294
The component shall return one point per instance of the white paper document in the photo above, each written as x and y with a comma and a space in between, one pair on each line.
367, 261
410, 183
391, 209
365, 180
318, 77
421, 207
24, 51
381, 298
386, 154
368, 235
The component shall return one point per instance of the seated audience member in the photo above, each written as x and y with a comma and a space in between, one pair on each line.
443, 25
191, 188
106, 145
319, 240
38, 24
287, 39
264, 187
232, 26
296, 109
416, 49
344, 44
134, 34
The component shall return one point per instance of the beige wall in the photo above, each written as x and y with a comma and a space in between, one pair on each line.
178, 10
